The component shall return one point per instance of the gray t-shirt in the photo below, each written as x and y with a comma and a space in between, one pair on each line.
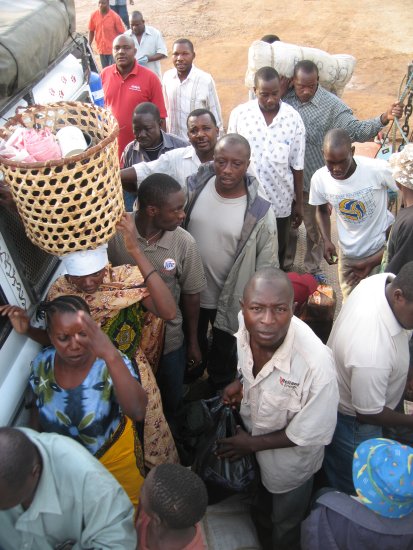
216, 225
177, 259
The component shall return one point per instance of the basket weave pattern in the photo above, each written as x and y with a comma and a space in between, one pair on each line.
73, 203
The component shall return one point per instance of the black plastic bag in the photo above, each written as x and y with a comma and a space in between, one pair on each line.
233, 477
193, 422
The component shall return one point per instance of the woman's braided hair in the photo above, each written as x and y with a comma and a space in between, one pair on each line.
61, 304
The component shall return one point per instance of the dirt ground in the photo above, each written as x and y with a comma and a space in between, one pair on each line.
379, 35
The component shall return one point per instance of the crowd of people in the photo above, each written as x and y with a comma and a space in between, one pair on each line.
199, 283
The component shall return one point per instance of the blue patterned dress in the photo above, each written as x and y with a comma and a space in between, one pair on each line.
88, 413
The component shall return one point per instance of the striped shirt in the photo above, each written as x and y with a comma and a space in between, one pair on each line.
322, 113
197, 91
177, 259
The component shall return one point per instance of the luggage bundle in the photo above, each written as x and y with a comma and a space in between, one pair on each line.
335, 71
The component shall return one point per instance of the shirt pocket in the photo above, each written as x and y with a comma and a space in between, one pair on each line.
275, 411
275, 160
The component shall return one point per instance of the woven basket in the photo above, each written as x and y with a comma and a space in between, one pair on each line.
72, 203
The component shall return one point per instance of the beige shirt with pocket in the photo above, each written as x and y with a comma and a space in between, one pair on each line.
296, 390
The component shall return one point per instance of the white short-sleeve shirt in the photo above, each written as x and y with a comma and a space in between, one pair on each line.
178, 163
296, 390
275, 149
152, 42
371, 350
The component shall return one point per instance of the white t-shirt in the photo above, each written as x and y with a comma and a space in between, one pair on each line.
275, 149
371, 350
360, 203
216, 224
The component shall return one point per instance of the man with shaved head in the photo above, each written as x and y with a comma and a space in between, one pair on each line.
321, 111
149, 42
126, 84
370, 345
288, 394
55, 495
356, 187
235, 230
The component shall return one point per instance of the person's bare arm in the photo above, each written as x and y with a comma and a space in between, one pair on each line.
6, 198
91, 36
387, 417
324, 224
156, 57
130, 395
160, 302
129, 179
243, 443
21, 324
394, 111
285, 85
361, 269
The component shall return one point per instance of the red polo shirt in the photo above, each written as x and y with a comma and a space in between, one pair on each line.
106, 28
122, 95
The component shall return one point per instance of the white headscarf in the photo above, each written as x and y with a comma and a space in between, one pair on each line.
402, 166
86, 262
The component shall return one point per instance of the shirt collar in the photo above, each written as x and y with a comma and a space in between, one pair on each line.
134, 71
45, 501
281, 358
164, 242
136, 145
133, 35
167, 141
191, 75
316, 100
190, 153
258, 110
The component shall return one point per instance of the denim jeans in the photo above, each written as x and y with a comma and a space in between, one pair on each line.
338, 461
106, 60
170, 378
277, 517
122, 11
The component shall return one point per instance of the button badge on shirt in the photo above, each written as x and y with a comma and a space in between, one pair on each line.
169, 267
